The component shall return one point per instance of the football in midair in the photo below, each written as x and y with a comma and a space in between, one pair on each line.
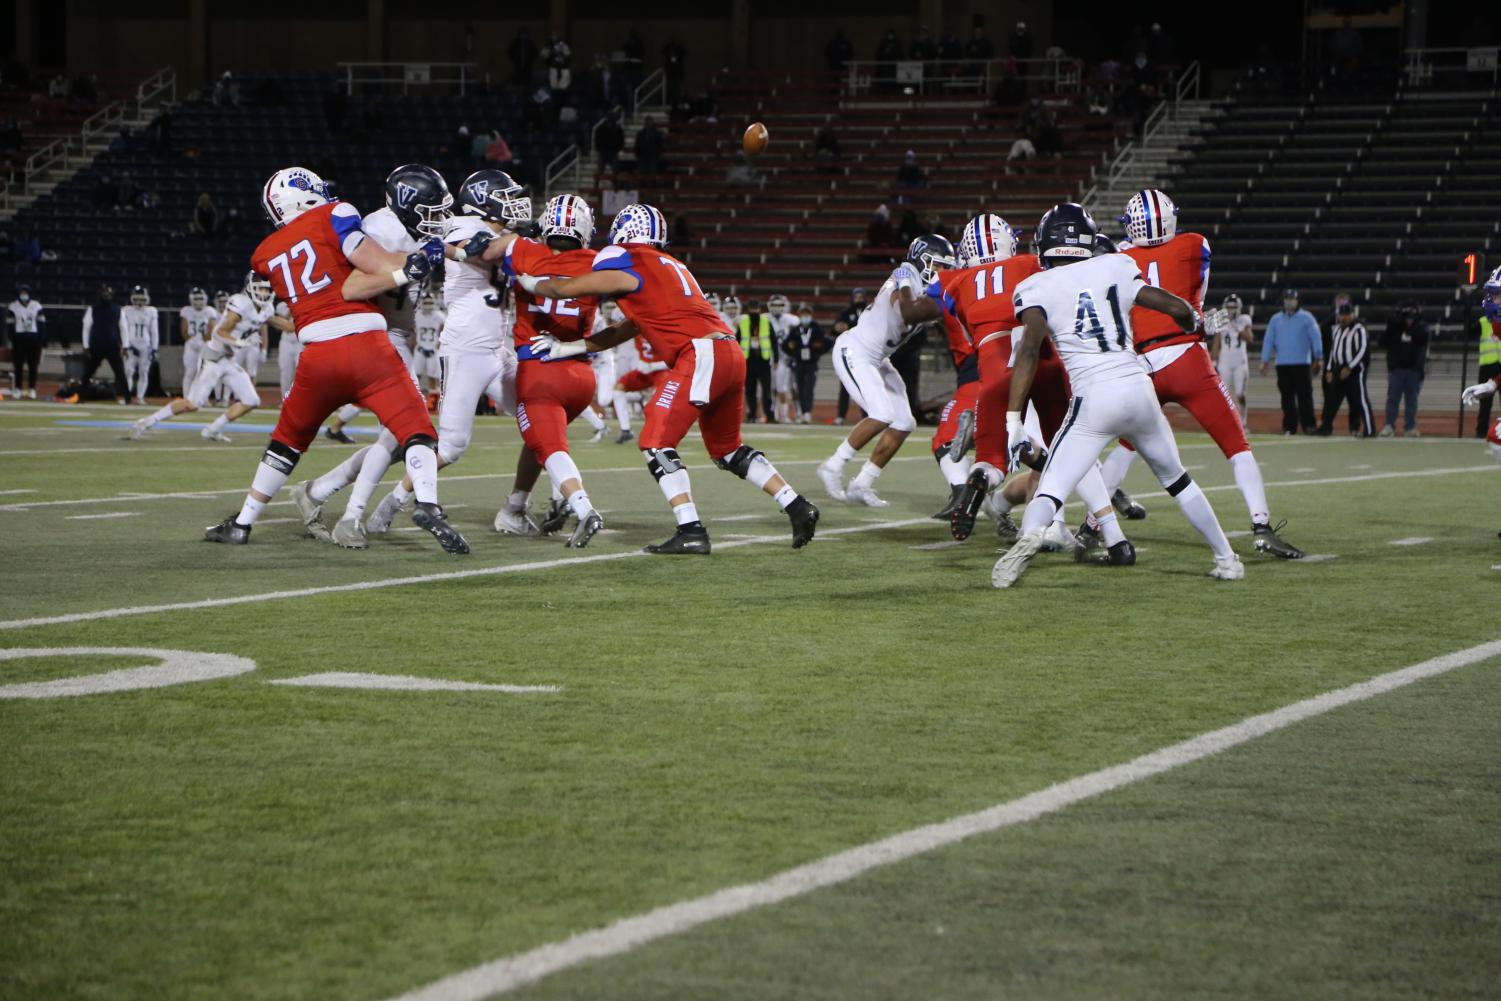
755, 139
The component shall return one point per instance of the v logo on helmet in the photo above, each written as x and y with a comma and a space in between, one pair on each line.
405, 193
479, 190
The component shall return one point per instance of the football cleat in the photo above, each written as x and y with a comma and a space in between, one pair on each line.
1228, 568
1005, 528
1126, 507
429, 517
684, 542
338, 436
228, 531
964, 438
1008, 569
597, 437
557, 516
857, 494
956, 494
508, 522
625, 436
962, 520
832, 479
311, 511
587, 527
139, 428
1122, 554
385, 512
349, 533
1058, 539
211, 435
804, 518
1268, 541
1089, 538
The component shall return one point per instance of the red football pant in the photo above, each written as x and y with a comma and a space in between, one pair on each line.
637, 381
965, 398
1193, 384
671, 414
363, 369
549, 395
1050, 395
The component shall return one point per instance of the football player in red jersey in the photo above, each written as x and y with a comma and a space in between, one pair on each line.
320, 263
705, 382
1180, 364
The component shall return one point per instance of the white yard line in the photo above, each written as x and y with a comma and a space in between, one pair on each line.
627, 934
96, 517
404, 683
1416, 540
12, 493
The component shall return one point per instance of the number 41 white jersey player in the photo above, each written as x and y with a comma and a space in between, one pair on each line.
1083, 303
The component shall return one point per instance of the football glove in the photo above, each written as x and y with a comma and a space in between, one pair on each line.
907, 271
1472, 394
476, 246
1016, 439
546, 344
417, 267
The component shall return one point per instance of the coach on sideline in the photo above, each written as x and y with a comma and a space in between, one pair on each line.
1292, 336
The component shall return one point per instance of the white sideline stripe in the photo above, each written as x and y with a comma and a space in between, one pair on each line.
404, 683
372, 585
622, 936
96, 517
1319, 558
1416, 540
945, 544
12, 493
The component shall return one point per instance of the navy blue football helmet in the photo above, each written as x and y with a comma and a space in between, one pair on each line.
1066, 233
494, 195
419, 197
931, 254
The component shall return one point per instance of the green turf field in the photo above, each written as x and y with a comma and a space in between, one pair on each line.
718, 721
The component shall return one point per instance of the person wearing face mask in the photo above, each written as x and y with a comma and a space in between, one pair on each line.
802, 346
28, 332
1292, 338
101, 339
783, 322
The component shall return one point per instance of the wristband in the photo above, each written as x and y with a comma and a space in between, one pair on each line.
400, 277
1013, 417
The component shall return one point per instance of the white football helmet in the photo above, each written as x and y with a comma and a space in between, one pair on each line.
1232, 305
140, 296
777, 304
197, 298
639, 224
611, 311
1151, 218
258, 288
714, 301
569, 216
292, 191
731, 308
428, 301
220, 298
987, 238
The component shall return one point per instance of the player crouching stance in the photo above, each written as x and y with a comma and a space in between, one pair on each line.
319, 262
706, 370
1083, 303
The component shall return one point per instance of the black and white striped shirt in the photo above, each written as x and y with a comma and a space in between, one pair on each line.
1349, 347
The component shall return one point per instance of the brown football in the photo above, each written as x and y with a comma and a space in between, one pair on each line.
755, 139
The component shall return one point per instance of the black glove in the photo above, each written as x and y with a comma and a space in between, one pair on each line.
417, 267
477, 244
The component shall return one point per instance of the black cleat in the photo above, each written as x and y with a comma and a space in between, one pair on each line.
1006, 529
1122, 554
338, 436
956, 493
686, 541
804, 518
585, 530
625, 436
962, 520
1126, 507
429, 517
1090, 538
228, 531
965, 436
557, 515
1268, 541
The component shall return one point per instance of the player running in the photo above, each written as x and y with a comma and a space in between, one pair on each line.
862, 360
1180, 367
706, 378
320, 262
1083, 302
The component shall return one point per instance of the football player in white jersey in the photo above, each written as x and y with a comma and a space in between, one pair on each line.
729, 309
427, 324
604, 371
196, 322
1232, 330
862, 360
245, 315
141, 336
1083, 303
288, 350
249, 353
782, 324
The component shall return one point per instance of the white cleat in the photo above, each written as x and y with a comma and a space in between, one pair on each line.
864, 495
508, 522
1009, 567
139, 428
597, 437
1228, 568
832, 479
311, 511
211, 435
1057, 538
385, 512
350, 534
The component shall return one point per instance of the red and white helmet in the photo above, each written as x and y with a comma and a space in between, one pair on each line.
987, 238
570, 216
292, 191
639, 224
1151, 218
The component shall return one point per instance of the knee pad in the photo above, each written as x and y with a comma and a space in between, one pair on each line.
1179, 485
453, 445
663, 461
416, 439
739, 461
281, 457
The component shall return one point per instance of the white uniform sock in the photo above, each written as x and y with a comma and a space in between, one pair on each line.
560, 469
1197, 510
1110, 528
844, 453
954, 472
1248, 479
518, 500
785, 496
869, 473
579, 504
422, 467
1039, 512
372, 469
1115, 467
348, 412
164, 414
267, 482
339, 477
594, 420
622, 405
685, 514
218, 422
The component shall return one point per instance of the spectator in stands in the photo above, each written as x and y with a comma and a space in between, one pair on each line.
634, 51
101, 339
559, 70
922, 48
1406, 344
909, 175
335, 106
540, 112
950, 49
523, 53
458, 146
127, 192
1021, 149
838, 52
826, 149
1346, 49
878, 232
1020, 42
741, 171
803, 345
909, 229
477, 147
1041, 126
160, 133
609, 141
205, 220
978, 51
58, 86
674, 64
233, 222
651, 145
226, 90
1292, 338
498, 152
1160, 48
10, 137
847, 318
887, 53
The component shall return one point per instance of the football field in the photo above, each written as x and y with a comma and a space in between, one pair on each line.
913, 783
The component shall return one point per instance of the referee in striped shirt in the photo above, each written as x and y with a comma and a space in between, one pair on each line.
1345, 376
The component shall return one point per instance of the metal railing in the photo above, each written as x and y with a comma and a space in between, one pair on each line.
559, 167
408, 75
957, 76
1185, 88
1188, 84
1461, 68
654, 87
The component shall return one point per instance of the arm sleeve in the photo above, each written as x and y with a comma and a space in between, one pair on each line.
617, 258
349, 231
